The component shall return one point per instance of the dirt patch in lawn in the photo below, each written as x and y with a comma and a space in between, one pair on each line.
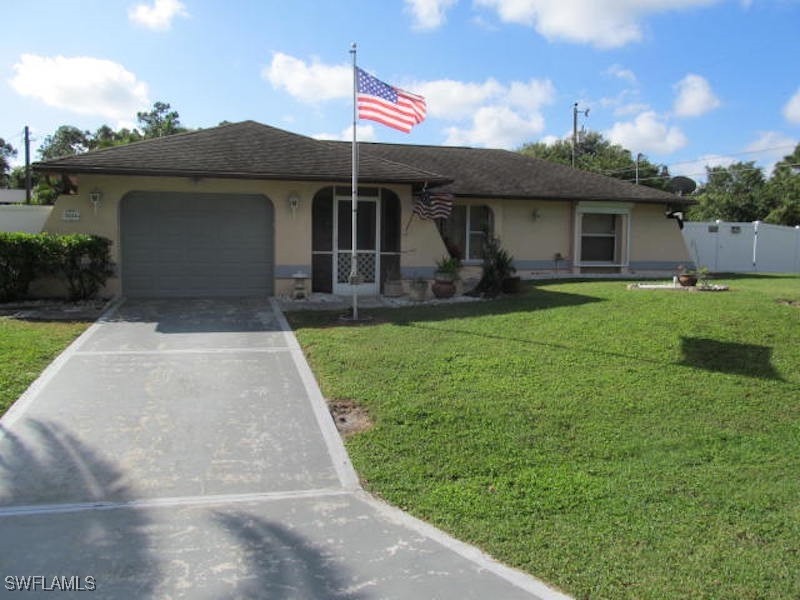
795, 303
53, 310
350, 418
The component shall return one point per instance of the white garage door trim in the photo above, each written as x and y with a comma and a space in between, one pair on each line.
179, 244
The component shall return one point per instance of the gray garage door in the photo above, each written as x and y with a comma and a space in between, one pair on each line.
184, 245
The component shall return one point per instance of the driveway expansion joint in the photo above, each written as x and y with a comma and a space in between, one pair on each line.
178, 501
249, 350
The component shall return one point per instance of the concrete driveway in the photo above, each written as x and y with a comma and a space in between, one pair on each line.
181, 449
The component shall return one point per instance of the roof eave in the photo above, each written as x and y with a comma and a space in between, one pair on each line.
558, 198
138, 172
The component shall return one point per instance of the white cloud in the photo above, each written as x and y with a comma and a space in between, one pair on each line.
496, 127
83, 85
501, 116
770, 147
492, 113
647, 133
451, 99
549, 140
695, 96
309, 82
622, 73
532, 95
607, 24
366, 133
429, 14
625, 110
159, 16
792, 109
454, 100
696, 169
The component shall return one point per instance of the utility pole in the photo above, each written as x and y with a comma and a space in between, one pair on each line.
639, 157
27, 165
575, 112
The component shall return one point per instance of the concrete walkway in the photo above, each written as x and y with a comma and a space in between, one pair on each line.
182, 449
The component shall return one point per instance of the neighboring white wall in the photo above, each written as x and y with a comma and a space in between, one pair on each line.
12, 196
23, 217
743, 247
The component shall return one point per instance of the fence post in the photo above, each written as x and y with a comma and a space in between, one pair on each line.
755, 245
797, 248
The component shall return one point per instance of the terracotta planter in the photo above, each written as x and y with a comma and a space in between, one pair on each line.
443, 288
687, 280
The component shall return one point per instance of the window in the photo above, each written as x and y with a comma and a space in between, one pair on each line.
602, 235
599, 238
465, 231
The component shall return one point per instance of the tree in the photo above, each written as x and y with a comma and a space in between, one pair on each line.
782, 191
69, 141
7, 152
596, 154
106, 137
66, 141
733, 193
160, 121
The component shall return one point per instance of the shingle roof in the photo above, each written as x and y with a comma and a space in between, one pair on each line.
239, 150
488, 173
254, 151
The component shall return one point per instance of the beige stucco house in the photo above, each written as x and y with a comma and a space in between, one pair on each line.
240, 209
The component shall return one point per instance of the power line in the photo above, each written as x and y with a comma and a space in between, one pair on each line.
707, 174
709, 157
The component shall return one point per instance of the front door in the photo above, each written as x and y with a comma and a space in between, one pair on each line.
367, 246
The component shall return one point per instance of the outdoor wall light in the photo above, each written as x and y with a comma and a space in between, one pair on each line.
294, 201
94, 197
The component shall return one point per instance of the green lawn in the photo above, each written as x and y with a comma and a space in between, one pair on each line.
615, 443
26, 348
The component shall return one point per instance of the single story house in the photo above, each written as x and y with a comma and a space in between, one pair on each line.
240, 208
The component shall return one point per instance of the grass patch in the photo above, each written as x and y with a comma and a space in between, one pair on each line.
27, 348
617, 444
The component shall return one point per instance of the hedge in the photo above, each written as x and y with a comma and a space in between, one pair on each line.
82, 261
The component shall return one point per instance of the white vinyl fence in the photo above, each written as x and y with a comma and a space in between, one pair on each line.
28, 218
726, 247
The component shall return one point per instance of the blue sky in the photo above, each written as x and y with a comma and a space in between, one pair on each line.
686, 82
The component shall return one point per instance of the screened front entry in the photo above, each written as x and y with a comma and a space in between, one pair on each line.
377, 239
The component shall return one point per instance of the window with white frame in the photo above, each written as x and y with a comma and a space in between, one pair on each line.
602, 233
599, 238
466, 230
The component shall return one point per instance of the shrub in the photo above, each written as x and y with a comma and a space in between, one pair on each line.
82, 260
22, 256
85, 262
498, 265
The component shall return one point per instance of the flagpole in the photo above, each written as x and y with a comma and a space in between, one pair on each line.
354, 197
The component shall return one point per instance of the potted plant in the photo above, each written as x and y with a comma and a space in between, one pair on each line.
687, 276
444, 284
418, 289
557, 258
393, 285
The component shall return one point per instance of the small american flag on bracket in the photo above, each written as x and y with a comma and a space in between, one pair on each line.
432, 205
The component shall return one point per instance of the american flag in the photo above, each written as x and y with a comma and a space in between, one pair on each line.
432, 205
391, 106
